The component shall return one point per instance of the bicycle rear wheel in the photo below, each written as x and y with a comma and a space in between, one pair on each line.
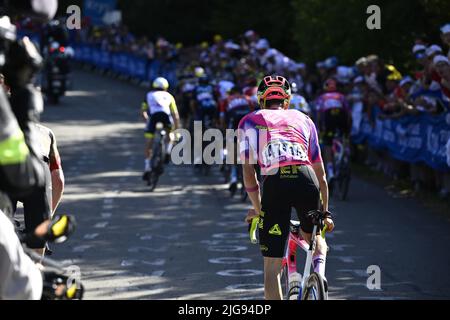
157, 169
315, 288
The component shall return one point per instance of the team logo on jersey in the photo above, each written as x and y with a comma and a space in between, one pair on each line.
278, 151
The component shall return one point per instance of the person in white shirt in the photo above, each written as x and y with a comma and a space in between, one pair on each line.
20, 278
445, 36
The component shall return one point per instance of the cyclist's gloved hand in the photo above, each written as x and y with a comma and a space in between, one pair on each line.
58, 287
60, 228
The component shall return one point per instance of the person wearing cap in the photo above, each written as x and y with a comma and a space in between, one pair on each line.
442, 74
406, 87
445, 36
356, 100
362, 66
433, 51
419, 51
251, 37
375, 75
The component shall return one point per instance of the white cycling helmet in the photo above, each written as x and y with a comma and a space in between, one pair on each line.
161, 83
199, 72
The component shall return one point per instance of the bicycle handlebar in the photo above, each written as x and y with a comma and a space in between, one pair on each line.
254, 227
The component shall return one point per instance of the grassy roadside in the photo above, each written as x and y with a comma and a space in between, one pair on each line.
403, 189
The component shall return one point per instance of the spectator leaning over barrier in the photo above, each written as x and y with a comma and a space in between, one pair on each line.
445, 36
442, 75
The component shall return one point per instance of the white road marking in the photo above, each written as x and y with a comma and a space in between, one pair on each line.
101, 225
240, 273
255, 287
230, 260
140, 249
128, 263
213, 243
158, 262
127, 289
231, 236
106, 215
232, 224
226, 248
345, 259
175, 236
340, 247
80, 249
158, 273
357, 272
91, 236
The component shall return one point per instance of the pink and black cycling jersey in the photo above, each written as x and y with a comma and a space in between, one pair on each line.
278, 138
333, 100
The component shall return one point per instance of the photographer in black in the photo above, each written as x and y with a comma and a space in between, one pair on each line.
22, 172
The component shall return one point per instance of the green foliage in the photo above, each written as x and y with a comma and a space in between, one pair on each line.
310, 30
339, 27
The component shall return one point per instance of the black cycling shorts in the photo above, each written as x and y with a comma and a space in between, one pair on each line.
159, 117
335, 121
37, 208
292, 187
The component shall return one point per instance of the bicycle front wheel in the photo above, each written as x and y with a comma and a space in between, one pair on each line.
315, 288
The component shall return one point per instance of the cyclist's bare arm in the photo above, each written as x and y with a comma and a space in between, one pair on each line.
251, 181
319, 169
144, 111
175, 115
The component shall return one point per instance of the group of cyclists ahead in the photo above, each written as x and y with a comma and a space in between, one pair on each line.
288, 163
221, 103
289, 160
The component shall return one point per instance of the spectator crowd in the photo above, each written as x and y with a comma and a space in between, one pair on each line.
369, 84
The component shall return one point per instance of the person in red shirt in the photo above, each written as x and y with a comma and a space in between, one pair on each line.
441, 73
232, 110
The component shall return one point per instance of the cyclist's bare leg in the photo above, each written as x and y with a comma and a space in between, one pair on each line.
272, 276
148, 153
320, 253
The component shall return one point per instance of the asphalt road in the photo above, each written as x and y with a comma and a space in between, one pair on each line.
187, 240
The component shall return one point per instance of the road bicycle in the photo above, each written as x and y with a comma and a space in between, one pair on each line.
159, 157
339, 185
59, 282
295, 286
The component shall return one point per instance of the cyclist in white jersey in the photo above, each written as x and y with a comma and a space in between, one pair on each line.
159, 107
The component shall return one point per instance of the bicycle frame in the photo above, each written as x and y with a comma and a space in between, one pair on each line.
295, 241
290, 258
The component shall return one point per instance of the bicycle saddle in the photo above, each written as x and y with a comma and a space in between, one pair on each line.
295, 226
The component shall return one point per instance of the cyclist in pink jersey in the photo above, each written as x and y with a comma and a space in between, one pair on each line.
334, 119
285, 145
